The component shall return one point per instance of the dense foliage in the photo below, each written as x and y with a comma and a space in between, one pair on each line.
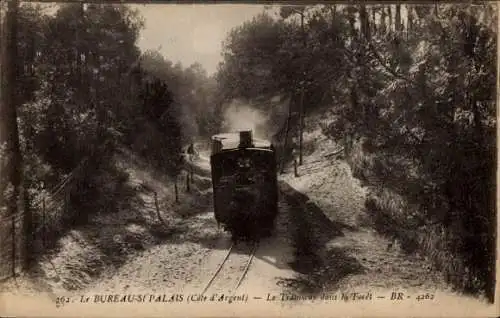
84, 83
410, 92
84, 90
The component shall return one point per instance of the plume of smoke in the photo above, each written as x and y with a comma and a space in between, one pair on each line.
241, 116
264, 121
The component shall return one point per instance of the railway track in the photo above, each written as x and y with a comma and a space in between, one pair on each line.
223, 276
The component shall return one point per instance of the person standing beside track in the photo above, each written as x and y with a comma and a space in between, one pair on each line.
191, 152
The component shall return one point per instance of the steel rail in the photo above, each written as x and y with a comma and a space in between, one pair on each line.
218, 269
249, 262
243, 274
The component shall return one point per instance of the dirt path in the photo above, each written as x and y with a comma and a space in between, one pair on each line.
185, 263
322, 243
350, 254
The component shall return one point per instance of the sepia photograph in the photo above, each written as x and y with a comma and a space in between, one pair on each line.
248, 159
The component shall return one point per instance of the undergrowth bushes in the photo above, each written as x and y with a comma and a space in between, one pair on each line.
100, 190
458, 244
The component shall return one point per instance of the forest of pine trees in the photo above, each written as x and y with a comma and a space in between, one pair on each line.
408, 90
75, 87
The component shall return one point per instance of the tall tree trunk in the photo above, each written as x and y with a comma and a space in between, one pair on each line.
79, 51
285, 142
333, 11
10, 153
348, 140
435, 9
32, 56
402, 57
383, 21
301, 123
301, 110
352, 22
409, 28
366, 36
374, 18
365, 23
389, 13
398, 23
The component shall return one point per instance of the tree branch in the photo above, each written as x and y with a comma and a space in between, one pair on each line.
387, 68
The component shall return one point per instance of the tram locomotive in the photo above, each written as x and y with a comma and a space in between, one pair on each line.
244, 179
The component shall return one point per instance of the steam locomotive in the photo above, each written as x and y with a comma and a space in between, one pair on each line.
244, 179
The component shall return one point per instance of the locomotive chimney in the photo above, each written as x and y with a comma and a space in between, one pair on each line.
245, 139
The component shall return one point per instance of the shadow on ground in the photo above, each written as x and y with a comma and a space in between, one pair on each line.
120, 221
300, 222
126, 220
310, 230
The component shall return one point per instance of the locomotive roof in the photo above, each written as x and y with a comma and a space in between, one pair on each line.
232, 140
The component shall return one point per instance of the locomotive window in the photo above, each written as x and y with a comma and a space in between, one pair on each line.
244, 163
233, 163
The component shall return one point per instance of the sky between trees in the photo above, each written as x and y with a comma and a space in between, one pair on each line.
191, 33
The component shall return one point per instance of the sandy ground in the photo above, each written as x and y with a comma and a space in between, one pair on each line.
360, 257
186, 262
323, 242
143, 248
